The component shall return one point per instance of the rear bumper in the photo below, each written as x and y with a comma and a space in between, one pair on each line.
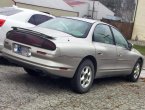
69, 73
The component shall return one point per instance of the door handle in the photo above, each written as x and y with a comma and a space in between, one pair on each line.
100, 53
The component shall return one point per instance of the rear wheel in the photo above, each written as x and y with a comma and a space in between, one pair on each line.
134, 76
84, 76
33, 72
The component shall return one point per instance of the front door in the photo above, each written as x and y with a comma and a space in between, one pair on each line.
124, 57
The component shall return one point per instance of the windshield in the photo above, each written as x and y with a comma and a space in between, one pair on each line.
73, 27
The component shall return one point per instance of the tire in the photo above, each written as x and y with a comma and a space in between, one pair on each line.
33, 72
134, 76
84, 77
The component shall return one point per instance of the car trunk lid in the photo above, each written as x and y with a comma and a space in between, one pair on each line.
50, 32
32, 38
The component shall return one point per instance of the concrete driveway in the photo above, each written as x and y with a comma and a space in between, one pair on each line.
142, 74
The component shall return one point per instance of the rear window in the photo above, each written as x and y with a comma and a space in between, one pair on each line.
76, 28
8, 11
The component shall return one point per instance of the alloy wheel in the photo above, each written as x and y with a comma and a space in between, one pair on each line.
137, 71
86, 76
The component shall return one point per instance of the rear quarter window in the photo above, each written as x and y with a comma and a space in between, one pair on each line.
8, 11
38, 19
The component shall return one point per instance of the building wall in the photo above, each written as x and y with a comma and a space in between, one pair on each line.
100, 10
55, 12
139, 25
82, 9
6, 3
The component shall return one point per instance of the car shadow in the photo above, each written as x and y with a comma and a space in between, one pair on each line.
47, 84
5, 62
110, 81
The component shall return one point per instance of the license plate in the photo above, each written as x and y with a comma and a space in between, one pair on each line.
22, 50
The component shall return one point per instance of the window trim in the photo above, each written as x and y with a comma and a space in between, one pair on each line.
114, 43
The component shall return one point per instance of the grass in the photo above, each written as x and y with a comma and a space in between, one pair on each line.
141, 49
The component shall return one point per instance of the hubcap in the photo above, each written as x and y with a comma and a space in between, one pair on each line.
86, 76
137, 71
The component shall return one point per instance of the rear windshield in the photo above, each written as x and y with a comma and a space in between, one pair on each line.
73, 27
8, 11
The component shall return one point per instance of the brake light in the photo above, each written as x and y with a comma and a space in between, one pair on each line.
33, 40
2, 22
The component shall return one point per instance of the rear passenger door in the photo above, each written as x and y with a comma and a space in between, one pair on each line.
106, 53
38, 19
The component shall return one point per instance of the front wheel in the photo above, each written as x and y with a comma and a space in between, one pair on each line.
84, 76
134, 76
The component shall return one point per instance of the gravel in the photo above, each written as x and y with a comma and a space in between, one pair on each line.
19, 91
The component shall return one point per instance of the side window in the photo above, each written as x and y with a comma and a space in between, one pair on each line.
38, 19
119, 39
32, 20
102, 34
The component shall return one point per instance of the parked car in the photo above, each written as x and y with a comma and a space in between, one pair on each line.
15, 16
76, 48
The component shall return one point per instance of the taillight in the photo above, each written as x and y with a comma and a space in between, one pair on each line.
47, 44
31, 39
2, 22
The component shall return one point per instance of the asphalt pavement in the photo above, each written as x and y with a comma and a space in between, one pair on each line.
19, 91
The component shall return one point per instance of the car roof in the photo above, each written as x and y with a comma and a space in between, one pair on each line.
84, 19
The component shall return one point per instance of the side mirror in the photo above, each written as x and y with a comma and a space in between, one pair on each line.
130, 46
